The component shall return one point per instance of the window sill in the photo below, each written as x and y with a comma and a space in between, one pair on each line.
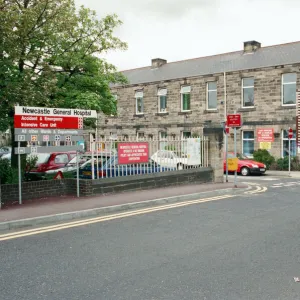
162, 114
241, 109
287, 106
139, 115
208, 111
185, 112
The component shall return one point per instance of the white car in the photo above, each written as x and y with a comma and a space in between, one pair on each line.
169, 159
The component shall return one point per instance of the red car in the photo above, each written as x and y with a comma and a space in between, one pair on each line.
247, 166
48, 162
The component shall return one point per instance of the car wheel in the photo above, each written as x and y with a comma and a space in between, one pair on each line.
245, 171
180, 167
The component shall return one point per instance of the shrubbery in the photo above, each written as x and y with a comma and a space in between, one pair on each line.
280, 164
264, 157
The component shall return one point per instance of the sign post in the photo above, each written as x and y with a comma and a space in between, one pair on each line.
48, 125
77, 173
290, 137
226, 131
19, 173
235, 122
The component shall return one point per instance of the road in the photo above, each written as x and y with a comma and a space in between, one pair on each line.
240, 247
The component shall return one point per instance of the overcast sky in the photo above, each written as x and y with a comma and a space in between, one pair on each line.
182, 29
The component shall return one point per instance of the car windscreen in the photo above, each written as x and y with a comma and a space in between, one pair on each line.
41, 158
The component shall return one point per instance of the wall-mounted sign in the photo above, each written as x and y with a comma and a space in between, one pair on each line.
265, 134
133, 153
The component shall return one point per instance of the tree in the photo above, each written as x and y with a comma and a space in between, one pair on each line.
50, 56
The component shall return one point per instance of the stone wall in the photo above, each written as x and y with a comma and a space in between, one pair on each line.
267, 112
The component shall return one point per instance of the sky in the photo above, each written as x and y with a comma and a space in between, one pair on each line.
183, 29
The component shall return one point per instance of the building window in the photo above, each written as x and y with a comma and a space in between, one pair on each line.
162, 100
248, 92
140, 135
212, 95
186, 134
139, 102
163, 140
285, 144
185, 98
289, 88
248, 143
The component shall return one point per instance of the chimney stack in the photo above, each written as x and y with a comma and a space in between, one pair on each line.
157, 62
251, 46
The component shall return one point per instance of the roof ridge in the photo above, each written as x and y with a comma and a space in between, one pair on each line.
213, 55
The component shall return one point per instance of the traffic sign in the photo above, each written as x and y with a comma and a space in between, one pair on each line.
234, 120
47, 138
49, 131
20, 138
58, 112
232, 164
20, 150
290, 133
33, 138
50, 149
51, 122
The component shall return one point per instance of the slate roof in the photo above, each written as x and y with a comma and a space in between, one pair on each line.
234, 61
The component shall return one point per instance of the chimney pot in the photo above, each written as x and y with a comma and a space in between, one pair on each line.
251, 46
157, 62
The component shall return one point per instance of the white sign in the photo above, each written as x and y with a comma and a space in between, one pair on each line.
193, 149
61, 112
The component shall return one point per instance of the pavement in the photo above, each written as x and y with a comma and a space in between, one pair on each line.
293, 174
235, 247
51, 210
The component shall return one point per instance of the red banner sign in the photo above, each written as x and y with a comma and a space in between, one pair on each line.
133, 153
234, 120
265, 134
49, 122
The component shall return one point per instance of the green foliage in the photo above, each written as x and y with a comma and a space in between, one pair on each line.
50, 56
7, 173
31, 161
282, 164
263, 156
170, 147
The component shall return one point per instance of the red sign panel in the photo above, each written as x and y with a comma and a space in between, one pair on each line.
49, 122
133, 153
265, 134
234, 120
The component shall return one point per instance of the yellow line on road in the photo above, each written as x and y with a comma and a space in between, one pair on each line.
258, 189
35, 231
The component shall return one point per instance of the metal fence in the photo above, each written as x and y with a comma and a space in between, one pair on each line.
163, 155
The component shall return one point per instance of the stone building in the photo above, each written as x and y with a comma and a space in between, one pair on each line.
181, 98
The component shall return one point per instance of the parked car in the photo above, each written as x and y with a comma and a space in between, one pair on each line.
112, 169
4, 150
170, 159
246, 165
47, 162
69, 170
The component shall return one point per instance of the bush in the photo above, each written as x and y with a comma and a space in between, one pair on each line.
263, 156
282, 164
7, 173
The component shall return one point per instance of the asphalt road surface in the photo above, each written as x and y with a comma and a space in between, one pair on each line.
244, 247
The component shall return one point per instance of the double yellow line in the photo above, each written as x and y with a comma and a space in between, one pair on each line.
36, 231
258, 189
